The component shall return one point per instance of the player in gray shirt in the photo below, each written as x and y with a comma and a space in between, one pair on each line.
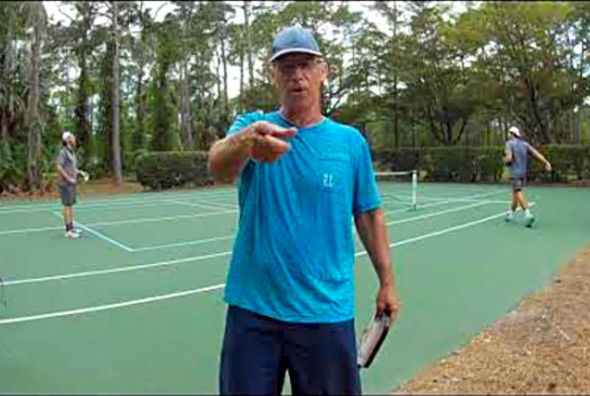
67, 169
517, 159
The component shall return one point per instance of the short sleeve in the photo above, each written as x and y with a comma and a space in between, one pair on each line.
61, 158
366, 194
243, 121
240, 123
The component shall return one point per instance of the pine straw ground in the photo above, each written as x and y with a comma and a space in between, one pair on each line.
541, 347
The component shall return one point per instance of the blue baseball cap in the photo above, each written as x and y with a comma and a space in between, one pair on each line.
294, 39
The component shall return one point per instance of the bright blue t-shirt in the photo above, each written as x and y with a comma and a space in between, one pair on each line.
520, 157
293, 255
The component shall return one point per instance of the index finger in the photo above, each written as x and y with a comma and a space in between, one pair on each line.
268, 128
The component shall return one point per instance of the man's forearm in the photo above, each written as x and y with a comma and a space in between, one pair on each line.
227, 156
373, 233
541, 158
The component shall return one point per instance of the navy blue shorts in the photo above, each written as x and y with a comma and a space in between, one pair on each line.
258, 351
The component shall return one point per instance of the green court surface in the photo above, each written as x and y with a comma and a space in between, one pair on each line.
136, 305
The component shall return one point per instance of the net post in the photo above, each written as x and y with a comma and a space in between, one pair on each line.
414, 189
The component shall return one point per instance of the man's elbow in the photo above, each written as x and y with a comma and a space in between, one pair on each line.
370, 216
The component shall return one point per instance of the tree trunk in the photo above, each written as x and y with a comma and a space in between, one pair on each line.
395, 81
138, 141
116, 138
218, 79
181, 99
106, 108
66, 101
83, 132
6, 114
81, 111
185, 116
241, 101
33, 122
225, 82
248, 43
139, 133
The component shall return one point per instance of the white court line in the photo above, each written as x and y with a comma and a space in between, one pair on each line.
143, 266
444, 201
131, 221
163, 218
195, 205
152, 219
179, 244
82, 207
426, 216
98, 234
26, 230
123, 304
81, 311
442, 232
401, 221
108, 202
223, 205
479, 195
115, 270
459, 199
96, 208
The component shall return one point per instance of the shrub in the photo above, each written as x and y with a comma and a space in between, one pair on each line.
163, 170
568, 162
485, 164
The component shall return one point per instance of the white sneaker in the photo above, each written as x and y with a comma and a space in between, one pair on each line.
529, 221
509, 216
78, 231
72, 235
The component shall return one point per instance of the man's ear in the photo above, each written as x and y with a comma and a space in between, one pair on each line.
325, 71
275, 77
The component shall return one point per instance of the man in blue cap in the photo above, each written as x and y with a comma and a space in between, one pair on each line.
302, 178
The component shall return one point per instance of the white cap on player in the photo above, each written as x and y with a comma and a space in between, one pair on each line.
514, 130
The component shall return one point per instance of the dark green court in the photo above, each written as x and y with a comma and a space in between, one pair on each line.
136, 305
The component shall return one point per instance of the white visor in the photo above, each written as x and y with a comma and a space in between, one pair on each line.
514, 130
66, 135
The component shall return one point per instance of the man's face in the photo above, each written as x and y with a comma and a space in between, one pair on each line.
299, 78
71, 141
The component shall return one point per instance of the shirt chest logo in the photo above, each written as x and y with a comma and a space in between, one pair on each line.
328, 180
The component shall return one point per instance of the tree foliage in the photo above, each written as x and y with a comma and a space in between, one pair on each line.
159, 78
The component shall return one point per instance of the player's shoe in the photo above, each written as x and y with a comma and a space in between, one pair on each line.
509, 216
529, 221
72, 235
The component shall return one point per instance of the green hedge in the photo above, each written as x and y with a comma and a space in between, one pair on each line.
568, 162
485, 164
170, 169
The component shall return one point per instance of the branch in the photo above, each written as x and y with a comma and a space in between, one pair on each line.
66, 15
158, 10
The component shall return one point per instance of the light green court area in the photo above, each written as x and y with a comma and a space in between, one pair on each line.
136, 305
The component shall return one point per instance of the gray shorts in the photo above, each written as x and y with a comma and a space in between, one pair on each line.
517, 184
68, 194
